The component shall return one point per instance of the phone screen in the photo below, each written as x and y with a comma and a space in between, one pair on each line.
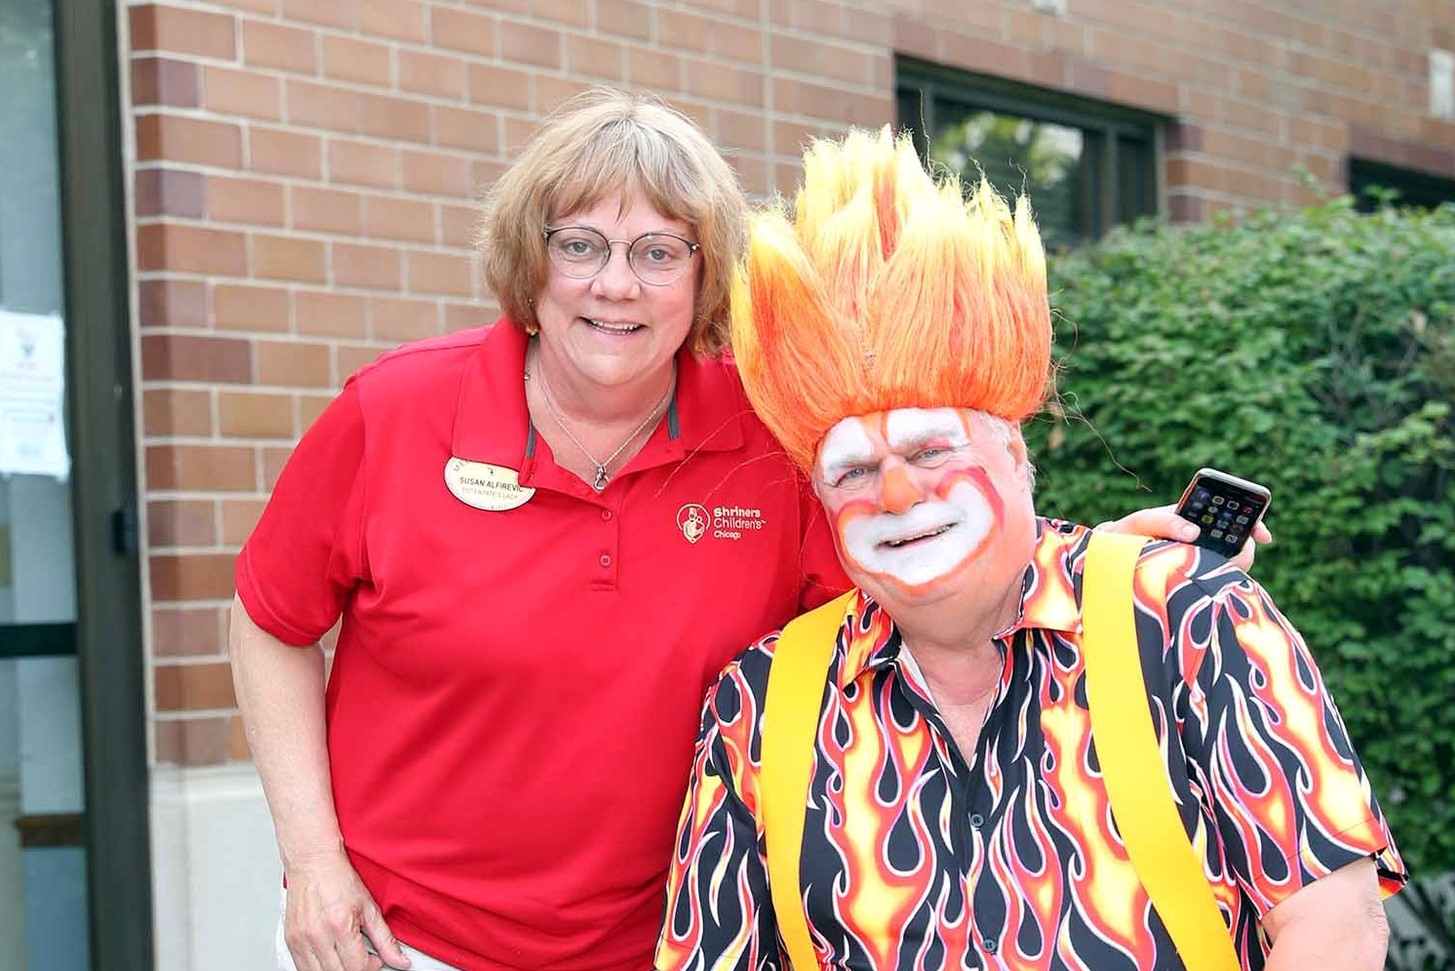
1225, 512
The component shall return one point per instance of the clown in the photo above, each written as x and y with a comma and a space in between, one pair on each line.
894, 333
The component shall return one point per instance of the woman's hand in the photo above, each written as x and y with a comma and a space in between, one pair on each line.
329, 913
1162, 522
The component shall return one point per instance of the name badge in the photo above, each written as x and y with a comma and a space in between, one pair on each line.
491, 487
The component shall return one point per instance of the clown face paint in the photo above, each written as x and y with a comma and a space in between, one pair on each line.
913, 493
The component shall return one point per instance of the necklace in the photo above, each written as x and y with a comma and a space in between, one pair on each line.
602, 477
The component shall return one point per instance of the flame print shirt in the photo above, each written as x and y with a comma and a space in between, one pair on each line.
919, 856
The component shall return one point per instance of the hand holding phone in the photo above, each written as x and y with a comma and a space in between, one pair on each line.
1225, 509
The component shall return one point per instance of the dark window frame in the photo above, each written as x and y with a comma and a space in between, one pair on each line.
101, 407
1423, 190
920, 86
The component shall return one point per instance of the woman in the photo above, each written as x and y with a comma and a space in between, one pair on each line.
544, 539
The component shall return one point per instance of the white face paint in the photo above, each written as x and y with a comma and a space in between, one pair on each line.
942, 512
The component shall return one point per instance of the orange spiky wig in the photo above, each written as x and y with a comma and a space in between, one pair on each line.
888, 289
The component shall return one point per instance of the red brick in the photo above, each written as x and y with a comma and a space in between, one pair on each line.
400, 19
245, 93
174, 411
191, 741
172, 303
738, 129
193, 140
253, 414
528, 44
244, 200
459, 30
195, 468
170, 192
362, 163
273, 461
277, 46
387, 117
193, 686
500, 87
436, 173
361, 61
723, 82
458, 316
624, 18
287, 258
163, 81
595, 58
181, 522
466, 128
190, 249
184, 357
435, 74
394, 319
377, 267
568, 12
680, 30
551, 92
329, 13
180, 631
239, 516
326, 210
331, 314
351, 357
250, 308
437, 273
457, 225
284, 153
310, 406
293, 364
654, 69
402, 219
323, 106
164, 28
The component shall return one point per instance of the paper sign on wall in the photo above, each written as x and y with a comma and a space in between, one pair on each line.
32, 395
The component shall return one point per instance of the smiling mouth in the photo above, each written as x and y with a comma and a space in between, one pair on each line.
609, 327
920, 537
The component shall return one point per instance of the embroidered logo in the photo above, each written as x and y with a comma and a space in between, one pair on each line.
724, 522
692, 519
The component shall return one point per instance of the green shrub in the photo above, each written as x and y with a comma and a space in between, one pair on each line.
1313, 352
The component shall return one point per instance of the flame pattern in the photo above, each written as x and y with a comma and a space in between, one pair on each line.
917, 858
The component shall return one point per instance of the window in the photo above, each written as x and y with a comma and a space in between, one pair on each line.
1086, 166
1410, 188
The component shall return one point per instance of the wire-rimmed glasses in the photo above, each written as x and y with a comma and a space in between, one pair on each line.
657, 259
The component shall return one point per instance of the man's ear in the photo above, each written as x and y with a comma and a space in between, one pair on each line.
1016, 446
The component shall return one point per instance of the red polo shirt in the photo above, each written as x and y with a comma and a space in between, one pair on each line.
515, 693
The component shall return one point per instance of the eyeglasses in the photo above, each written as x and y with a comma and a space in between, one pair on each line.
657, 259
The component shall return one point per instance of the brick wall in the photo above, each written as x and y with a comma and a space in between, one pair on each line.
304, 171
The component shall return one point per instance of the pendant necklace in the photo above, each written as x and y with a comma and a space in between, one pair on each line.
602, 476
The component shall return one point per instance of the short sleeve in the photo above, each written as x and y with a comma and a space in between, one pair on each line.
719, 915
306, 556
1290, 797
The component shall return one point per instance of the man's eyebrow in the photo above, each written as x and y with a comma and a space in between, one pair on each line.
924, 436
850, 460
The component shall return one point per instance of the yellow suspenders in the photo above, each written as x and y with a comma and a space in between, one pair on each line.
1126, 745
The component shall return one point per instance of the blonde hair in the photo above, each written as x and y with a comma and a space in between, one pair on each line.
605, 142
887, 289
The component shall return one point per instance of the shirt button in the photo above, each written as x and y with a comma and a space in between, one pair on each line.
977, 821
990, 945
606, 559
605, 515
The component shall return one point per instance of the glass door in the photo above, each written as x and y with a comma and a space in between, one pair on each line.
43, 867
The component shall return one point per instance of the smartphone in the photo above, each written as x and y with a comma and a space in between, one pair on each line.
1224, 507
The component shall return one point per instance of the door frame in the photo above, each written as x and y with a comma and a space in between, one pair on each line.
102, 411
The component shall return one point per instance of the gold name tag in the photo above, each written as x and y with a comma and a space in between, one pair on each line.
484, 486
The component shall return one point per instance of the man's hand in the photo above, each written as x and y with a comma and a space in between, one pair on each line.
329, 913
1162, 522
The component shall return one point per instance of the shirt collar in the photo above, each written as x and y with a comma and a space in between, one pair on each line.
492, 422
1048, 602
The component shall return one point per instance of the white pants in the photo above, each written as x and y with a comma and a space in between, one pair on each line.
419, 961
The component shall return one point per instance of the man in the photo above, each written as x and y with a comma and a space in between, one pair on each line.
893, 337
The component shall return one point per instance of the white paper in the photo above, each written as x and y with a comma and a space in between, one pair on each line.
32, 395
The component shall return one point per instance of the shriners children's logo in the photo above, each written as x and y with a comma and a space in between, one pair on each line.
692, 519
723, 522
